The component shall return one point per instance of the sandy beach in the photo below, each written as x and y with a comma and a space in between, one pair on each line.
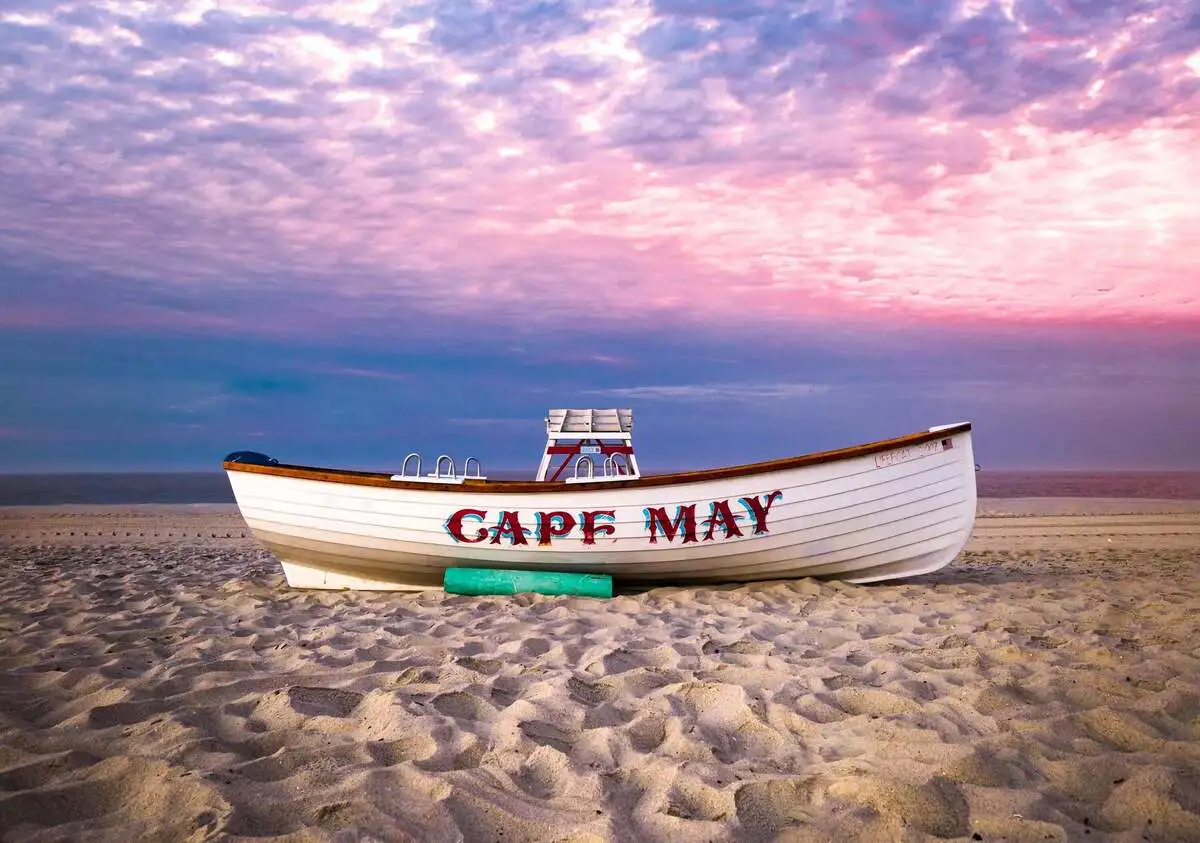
159, 682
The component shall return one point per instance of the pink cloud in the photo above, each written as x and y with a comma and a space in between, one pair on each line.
691, 162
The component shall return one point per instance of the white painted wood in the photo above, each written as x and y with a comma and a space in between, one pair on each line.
607, 423
861, 519
571, 425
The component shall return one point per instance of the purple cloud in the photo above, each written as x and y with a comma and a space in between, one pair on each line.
717, 9
454, 156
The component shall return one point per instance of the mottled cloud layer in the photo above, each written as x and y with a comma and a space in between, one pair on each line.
683, 160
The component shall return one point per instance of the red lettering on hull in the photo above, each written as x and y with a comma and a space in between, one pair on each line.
685, 522
759, 510
590, 524
551, 524
454, 525
591, 528
722, 516
510, 528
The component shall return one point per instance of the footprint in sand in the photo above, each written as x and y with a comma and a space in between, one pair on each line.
463, 706
544, 773
40, 772
648, 732
415, 748
134, 798
937, 807
327, 702
590, 693
692, 799
873, 702
767, 806
1165, 802
536, 647
547, 734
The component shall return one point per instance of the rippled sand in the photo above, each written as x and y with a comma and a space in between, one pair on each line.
162, 684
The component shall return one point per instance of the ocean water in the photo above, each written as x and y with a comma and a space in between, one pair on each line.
213, 487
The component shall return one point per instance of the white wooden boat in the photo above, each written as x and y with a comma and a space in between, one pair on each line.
893, 508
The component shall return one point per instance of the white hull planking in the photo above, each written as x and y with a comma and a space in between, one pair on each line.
861, 519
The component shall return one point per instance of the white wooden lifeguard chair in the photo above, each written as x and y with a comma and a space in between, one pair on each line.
583, 436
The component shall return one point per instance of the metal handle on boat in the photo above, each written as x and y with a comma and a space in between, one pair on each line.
612, 468
437, 472
404, 465
580, 461
467, 467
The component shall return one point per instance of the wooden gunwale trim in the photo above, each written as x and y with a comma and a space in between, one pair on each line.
379, 479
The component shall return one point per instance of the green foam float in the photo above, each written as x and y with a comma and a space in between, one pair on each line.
478, 581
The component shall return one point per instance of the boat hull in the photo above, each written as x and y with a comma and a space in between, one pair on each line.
872, 515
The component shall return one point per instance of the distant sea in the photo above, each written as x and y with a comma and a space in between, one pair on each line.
213, 487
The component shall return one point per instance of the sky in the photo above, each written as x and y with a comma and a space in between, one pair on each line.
338, 232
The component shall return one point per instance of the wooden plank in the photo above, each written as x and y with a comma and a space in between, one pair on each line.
369, 478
